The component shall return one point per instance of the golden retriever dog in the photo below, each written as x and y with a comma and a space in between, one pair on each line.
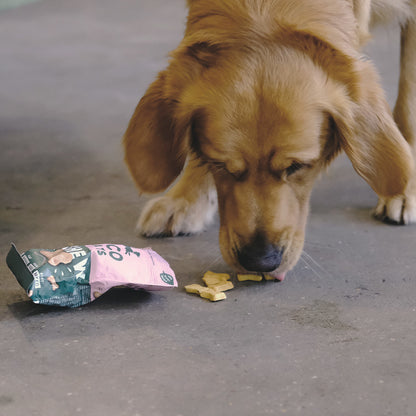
258, 98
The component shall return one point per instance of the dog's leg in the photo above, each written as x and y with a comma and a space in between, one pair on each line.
402, 210
187, 208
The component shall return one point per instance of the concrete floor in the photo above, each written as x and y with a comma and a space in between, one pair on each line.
336, 338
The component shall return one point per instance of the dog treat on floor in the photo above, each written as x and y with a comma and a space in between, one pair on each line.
222, 287
206, 292
214, 279
212, 295
269, 277
218, 283
194, 288
249, 277
74, 276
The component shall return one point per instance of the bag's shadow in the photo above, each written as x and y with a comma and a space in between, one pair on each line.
115, 298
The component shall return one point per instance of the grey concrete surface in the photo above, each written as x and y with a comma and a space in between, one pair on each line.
336, 338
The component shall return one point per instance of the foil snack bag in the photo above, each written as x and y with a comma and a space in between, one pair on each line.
76, 275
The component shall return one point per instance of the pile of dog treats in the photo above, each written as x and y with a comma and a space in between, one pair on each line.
218, 283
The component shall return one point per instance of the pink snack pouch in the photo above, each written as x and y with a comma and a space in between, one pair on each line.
74, 276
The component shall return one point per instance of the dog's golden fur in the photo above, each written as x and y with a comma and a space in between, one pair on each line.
257, 99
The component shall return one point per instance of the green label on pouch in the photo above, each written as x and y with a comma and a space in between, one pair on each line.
60, 277
167, 278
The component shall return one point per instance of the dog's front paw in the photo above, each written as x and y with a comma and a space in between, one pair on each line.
397, 210
168, 216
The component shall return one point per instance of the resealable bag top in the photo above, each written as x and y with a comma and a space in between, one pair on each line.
77, 275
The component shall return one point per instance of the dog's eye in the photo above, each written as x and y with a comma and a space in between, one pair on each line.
221, 167
216, 166
294, 167
239, 176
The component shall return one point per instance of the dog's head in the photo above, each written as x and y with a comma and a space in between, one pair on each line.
265, 118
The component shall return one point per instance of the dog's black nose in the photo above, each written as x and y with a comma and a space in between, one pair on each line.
260, 256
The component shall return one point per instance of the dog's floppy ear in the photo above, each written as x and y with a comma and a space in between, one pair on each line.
155, 141
369, 136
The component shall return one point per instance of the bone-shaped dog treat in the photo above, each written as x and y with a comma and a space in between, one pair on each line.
206, 292
218, 281
222, 287
212, 294
217, 284
194, 288
212, 279
249, 277
256, 277
269, 277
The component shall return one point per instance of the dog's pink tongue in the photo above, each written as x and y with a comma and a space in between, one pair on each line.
278, 276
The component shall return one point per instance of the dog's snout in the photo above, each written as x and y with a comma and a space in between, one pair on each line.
260, 256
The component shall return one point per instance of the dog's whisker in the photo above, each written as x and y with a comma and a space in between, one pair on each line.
218, 260
311, 263
315, 263
309, 267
